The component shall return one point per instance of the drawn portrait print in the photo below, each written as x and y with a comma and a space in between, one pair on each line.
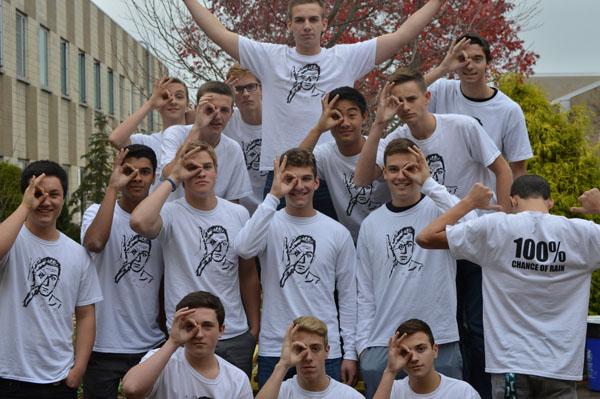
400, 250
298, 256
305, 78
214, 245
44, 275
135, 253
358, 195
252, 154
437, 170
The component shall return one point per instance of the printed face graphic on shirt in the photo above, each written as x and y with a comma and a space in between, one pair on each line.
298, 256
135, 254
252, 154
44, 275
358, 195
215, 246
305, 78
437, 169
400, 249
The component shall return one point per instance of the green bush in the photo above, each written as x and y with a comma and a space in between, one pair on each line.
10, 191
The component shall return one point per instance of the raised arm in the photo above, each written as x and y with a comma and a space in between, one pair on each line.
389, 44
330, 118
590, 202
121, 136
504, 180
367, 169
214, 29
33, 196
455, 58
398, 357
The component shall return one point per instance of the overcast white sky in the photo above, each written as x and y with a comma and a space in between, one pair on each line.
566, 33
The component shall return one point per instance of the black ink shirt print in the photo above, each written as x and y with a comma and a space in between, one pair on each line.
400, 250
305, 78
135, 253
214, 245
298, 256
43, 276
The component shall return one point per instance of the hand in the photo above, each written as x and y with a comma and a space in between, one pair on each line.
387, 105
330, 117
417, 172
231, 82
34, 194
205, 112
349, 372
398, 354
479, 197
190, 114
74, 378
590, 201
160, 93
122, 173
185, 167
292, 353
184, 328
283, 182
456, 57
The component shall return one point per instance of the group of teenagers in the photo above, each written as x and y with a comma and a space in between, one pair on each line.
424, 262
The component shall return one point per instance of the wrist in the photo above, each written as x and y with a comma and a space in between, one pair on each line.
282, 366
390, 372
172, 344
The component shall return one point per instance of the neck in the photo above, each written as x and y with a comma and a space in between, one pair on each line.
305, 212
127, 204
206, 202
208, 365
425, 384
48, 233
478, 90
309, 50
531, 205
424, 128
353, 148
251, 116
317, 384
404, 202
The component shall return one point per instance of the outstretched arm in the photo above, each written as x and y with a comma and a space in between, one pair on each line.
590, 202
214, 29
389, 44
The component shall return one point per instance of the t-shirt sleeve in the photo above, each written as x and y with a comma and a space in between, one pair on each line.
89, 286
256, 56
481, 147
466, 240
320, 153
515, 142
359, 57
88, 218
436, 89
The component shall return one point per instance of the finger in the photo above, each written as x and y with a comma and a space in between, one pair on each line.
283, 164
276, 165
187, 155
120, 156
337, 116
578, 209
333, 101
494, 207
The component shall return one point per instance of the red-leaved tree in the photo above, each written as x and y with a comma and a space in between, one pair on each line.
183, 46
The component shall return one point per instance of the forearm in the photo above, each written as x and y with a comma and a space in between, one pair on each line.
271, 388
120, 137
145, 218
253, 236
97, 234
504, 181
85, 325
310, 141
167, 169
434, 74
518, 168
384, 390
433, 236
250, 292
9, 229
367, 169
140, 379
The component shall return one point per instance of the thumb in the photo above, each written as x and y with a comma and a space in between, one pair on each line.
577, 209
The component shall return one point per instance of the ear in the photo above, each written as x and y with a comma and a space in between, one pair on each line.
549, 203
435, 349
427, 96
221, 330
289, 25
317, 182
514, 201
325, 23
327, 349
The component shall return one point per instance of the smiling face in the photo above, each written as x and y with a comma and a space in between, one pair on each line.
423, 355
47, 213
173, 112
306, 24
403, 191
313, 367
475, 70
205, 341
349, 131
301, 196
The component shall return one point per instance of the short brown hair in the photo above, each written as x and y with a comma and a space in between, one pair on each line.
179, 81
299, 158
398, 146
474, 38
312, 325
216, 87
237, 71
204, 146
203, 299
294, 3
412, 326
404, 75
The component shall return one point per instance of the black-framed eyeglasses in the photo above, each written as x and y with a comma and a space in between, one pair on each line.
250, 88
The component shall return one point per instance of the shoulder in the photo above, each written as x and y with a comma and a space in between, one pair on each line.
322, 151
233, 208
232, 375
345, 391
227, 144
444, 84
506, 101
91, 210
331, 226
248, 43
457, 120
454, 386
177, 131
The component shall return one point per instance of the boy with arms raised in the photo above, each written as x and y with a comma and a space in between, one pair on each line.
305, 347
130, 268
536, 279
413, 349
45, 277
196, 233
186, 366
305, 256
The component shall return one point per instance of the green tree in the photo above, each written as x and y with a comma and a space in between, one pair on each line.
564, 152
10, 190
97, 169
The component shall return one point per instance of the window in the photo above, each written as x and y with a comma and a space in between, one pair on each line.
21, 45
111, 92
82, 78
97, 86
121, 97
64, 67
1, 33
131, 98
43, 49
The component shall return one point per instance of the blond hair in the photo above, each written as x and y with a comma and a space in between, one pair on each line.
312, 325
204, 146
237, 71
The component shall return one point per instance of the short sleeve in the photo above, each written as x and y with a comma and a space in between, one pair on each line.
481, 147
320, 152
515, 142
465, 240
256, 56
359, 57
89, 286
173, 137
88, 218
239, 185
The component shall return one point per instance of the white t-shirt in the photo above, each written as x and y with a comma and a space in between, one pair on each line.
232, 178
458, 152
536, 271
129, 268
179, 380
41, 284
198, 255
352, 204
398, 280
335, 390
249, 137
293, 85
501, 117
303, 259
449, 388
154, 141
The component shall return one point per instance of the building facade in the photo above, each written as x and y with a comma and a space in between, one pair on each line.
61, 62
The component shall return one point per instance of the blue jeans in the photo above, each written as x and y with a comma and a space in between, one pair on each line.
266, 364
469, 309
321, 201
13, 389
